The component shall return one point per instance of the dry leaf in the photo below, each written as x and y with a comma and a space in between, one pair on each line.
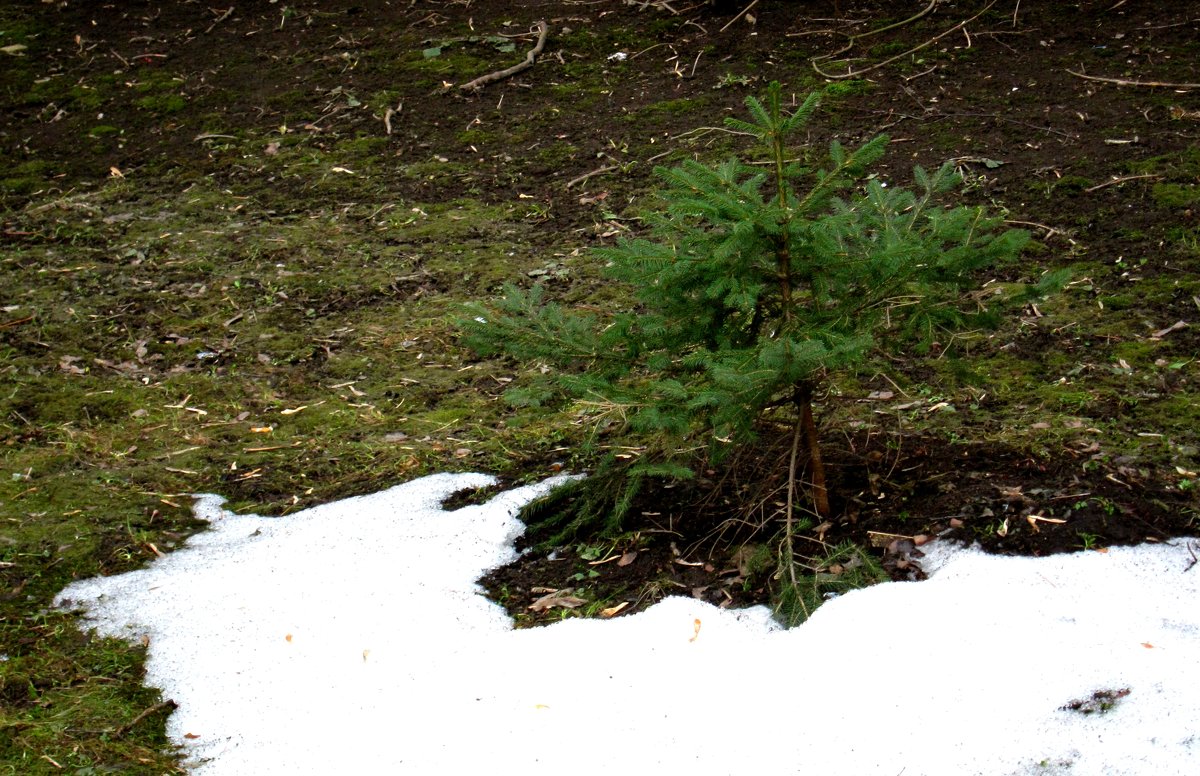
561, 598
881, 539
695, 629
67, 364
613, 611
628, 558
293, 412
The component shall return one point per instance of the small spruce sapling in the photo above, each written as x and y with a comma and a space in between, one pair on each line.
753, 283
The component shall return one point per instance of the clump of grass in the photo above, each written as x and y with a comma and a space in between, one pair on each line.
839, 570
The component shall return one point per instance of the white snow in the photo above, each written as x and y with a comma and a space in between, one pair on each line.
352, 638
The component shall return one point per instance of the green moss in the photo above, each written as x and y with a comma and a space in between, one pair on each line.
1176, 195
26, 177
889, 49
1119, 301
1071, 184
477, 137
1136, 353
365, 145
556, 154
667, 108
162, 104
848, 88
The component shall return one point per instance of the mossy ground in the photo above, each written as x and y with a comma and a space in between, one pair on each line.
224, 274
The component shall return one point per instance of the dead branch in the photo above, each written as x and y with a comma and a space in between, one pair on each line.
1050, 230
1128, 82
1115, 181
389, 113
499, 75
852, 39
228, 12
914, 49
168, 704
593, 173
745, 11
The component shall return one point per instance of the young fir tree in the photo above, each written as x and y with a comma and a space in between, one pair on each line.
753, 284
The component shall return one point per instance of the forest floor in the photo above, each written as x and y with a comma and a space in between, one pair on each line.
236, 243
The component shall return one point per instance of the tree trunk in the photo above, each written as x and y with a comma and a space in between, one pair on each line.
820, 494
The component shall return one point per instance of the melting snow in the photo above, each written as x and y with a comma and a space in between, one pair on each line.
352, 638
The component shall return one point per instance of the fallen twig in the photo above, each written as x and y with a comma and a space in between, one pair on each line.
530, 56
1115, 181
1050, 230
855, 38
1128, 82
221, 18
914, 49
745, 11
387, 116
593, 173
167, 704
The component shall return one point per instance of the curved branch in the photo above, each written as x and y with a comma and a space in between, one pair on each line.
499, 75
1127, 82
889, 60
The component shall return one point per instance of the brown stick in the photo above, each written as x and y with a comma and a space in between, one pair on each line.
592, 174
745, 11
1127, 82
1115, 181
167, 704
889, 60
499, 75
